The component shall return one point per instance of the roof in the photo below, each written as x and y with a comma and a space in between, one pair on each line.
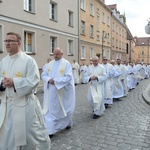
113, 6
145, 41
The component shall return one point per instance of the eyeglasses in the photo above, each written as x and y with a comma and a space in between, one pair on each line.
10, 41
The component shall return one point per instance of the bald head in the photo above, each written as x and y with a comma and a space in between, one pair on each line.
95, 60
112, 62
57, 53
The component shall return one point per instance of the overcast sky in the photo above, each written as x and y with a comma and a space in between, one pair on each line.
137, 13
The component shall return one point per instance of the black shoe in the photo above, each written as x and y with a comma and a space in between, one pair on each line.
68, 127
51, 135
95, 116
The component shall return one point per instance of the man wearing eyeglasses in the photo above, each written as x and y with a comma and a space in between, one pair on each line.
21, 121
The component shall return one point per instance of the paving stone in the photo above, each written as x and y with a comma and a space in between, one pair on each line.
124, 126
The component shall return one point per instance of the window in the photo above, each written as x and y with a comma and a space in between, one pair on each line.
91, 52
70, 18
113, 26
53, 43
103, 17
53, 11
98, 22
29, 5
120, 56
113, 42
98, 36
98, 10
122, 46
83, 53
29, 42
108, 20
108, 54
70, 47
83, 4
91, 9
108, 37
82, 27
117, 56
142, 52
116, 43
117, 29
1, 35
91, 30
122, 33
119, 44
103, 34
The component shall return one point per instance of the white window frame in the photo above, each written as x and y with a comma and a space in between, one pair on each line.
113, 26
70, 47
53, 10
29, 5
91, 30
92, 9
113, 42
103, 17
98, 22
120, 55
70, 18
82, 27
83, 4
117, 29
117, 56
1, 39
91, 52
98, 10
98, 36
108, 20
53, 43
108, 54
29, 48
83, 52
117, 43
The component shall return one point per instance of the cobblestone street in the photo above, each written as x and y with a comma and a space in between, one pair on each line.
124, 126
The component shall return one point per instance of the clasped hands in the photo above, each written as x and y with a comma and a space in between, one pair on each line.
94, 78
7, 82
51, 81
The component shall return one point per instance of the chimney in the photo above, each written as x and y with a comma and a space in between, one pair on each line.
103, 1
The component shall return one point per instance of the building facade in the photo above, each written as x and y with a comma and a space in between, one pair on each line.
43, 26
95, 21
142, 47
81, 28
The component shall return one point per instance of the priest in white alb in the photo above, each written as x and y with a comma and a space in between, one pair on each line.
75, 71
118, 90
59, 101
110, 71
96, 76
22, 124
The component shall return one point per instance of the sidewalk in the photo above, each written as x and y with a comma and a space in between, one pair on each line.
146, 94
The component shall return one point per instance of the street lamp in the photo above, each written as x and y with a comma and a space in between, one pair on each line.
104, 36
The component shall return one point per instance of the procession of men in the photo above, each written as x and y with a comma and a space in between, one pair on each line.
24, 125
110, 81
